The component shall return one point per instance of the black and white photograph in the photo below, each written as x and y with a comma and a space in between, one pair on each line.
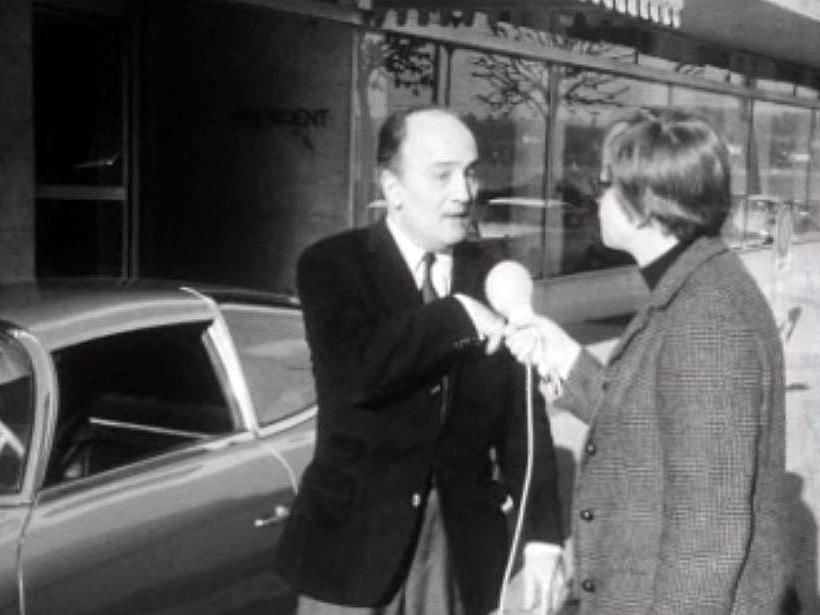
409, 307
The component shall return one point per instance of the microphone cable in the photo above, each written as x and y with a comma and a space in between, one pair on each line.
525, 490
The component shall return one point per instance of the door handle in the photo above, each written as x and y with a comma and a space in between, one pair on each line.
280, 513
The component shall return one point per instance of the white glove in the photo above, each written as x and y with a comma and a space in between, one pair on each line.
545, 582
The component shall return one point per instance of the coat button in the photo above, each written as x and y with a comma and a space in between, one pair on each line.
415, 501
587, 514
605, 385
590, 448
435, 389
588, 585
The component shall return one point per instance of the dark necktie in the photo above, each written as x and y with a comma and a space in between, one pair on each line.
428, 291
429, 294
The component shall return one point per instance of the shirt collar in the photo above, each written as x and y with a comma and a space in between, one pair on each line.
413, 256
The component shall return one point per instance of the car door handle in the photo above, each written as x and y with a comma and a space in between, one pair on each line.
280, 513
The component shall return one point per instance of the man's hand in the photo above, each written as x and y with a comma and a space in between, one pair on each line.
545, 582
488, 324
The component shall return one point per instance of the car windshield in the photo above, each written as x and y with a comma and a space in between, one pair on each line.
16, 413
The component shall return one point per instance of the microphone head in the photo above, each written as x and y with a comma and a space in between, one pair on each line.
509, 290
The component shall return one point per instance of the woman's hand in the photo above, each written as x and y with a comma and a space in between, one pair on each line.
544, 345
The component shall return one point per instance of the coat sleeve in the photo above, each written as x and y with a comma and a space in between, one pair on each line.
709, 403
369, 356
584, 387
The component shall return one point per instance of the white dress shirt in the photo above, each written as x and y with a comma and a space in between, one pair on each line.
441, 272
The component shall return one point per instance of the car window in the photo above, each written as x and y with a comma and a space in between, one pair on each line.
131, 396
16, 413
275, 359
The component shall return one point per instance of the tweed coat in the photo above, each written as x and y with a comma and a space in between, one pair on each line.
378, 357
678, 505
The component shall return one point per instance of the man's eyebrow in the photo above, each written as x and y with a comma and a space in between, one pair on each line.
448, 164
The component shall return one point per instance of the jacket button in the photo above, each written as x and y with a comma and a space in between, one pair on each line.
588, 585
605, 385
415, 501
590, 448
587, 514
435, 389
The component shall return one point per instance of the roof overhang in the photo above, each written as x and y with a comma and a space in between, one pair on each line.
787, 30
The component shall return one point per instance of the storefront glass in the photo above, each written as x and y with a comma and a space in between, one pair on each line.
589, 101
728, 115
779, 167
393, 73
505, 100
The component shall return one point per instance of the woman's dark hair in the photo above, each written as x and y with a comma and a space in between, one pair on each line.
672, 166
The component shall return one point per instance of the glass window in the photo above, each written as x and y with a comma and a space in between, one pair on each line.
779, 165
275, 359
16, 413
729, 117
589, 102
394, 73
505, 100
807, 217
94, 245
78, 101
135, 395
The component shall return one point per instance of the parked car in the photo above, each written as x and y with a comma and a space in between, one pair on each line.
151, 441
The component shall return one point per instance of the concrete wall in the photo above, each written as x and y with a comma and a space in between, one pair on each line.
247, 141
16, 142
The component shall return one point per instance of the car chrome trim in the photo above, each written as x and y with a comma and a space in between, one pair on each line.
226, 351
294, 420
163, 431
45, 412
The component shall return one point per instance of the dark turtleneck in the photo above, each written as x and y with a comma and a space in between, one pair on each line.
653, 272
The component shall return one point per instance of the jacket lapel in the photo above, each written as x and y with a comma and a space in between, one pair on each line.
702, 250
392, 280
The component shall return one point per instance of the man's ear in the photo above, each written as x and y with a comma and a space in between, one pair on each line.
391, 188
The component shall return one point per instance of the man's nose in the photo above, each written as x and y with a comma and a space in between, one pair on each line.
463, 187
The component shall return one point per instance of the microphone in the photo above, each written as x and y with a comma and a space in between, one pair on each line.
509, 290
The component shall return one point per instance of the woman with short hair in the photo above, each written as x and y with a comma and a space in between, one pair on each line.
678, 505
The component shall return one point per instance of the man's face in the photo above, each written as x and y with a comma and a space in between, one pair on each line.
431, 193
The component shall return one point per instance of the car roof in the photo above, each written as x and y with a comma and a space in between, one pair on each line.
65, 313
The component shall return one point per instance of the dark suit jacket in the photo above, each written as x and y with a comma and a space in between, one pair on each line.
378, 357
679, 503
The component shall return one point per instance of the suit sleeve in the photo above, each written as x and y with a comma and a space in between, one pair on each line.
371, 357
543, 510
710, 391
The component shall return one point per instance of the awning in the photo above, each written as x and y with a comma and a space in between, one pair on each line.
663, 12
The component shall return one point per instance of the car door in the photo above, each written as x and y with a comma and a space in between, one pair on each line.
157, 498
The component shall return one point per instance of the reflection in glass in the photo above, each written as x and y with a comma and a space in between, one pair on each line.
506, 103
394, 73
78, 101
807, 219
589, 102
728, 116
779, 165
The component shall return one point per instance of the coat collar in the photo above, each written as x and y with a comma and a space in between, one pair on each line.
388, 270
395, 282
693, 258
